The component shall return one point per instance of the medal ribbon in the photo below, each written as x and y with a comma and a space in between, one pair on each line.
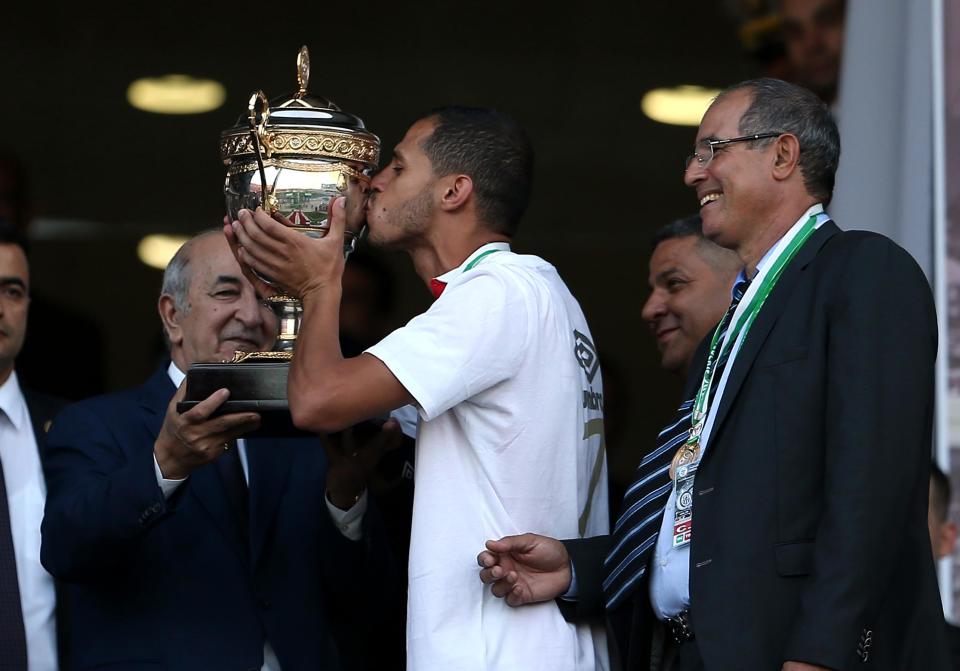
745, 320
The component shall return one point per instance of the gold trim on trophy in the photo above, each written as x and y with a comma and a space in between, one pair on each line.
301, 142
240, 357
278, 298
239, 168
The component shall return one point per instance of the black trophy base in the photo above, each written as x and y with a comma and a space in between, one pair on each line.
259, 387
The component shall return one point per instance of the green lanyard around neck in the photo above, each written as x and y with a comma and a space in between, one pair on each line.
477, 260
743, 324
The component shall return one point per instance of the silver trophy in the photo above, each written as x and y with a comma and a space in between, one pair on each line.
291, 156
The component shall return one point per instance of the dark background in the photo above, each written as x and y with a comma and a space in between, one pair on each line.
104, 174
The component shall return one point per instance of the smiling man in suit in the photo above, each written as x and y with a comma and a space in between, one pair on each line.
780, 520
186, 546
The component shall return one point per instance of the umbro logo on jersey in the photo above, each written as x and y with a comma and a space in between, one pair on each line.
586, 355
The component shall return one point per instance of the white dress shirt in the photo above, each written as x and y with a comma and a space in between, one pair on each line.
670, 569
26, 494
348, 521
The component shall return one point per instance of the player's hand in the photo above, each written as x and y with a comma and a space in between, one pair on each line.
194, 438
525, 569
263, 289
299, 263
353, 454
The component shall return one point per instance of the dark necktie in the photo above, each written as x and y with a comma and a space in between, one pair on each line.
635, 533
231, 472
13, 639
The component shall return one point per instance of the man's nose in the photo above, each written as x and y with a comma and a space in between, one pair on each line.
378, 181
654, 308
694, 173
250, 311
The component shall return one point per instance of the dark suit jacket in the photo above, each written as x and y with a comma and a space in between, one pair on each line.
42, 408
168, 584
810, 540
953, 637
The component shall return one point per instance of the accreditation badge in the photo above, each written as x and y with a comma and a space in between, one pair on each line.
683, 505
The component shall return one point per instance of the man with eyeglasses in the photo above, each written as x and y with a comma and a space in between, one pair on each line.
780, 520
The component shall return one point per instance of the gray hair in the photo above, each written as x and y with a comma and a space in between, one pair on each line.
178, 274
781, 107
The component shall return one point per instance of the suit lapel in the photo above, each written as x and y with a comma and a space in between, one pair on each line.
269, 465
154, 397
41, 410
771, 311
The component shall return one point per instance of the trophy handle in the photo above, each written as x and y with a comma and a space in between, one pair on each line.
259, 106
303, 71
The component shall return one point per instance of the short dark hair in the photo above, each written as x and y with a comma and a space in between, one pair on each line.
679, 228
719, 258
781, 107
10, 234
494, 151
940, 493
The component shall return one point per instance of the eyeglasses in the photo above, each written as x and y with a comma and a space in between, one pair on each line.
703, 151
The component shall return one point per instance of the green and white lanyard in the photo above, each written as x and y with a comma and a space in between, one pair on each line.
690, 452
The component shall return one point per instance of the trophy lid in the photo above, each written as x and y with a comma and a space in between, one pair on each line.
301, 125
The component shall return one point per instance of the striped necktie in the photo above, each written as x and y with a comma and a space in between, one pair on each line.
638, 526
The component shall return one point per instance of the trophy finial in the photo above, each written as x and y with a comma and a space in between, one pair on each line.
303, 71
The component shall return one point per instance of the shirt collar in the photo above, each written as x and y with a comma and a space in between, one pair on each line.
176, 375
767, 258
448, 276
11, 401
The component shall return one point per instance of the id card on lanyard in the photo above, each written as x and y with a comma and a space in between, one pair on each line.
687, 458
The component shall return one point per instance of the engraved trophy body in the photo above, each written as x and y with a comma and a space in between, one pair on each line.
292, 157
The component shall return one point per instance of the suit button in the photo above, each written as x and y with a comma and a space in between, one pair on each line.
264, 604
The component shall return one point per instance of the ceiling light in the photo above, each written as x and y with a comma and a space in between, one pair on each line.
680, 105
157, 250
176, 94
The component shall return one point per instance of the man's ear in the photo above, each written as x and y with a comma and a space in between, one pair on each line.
786, 157
456, 191
170, 315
